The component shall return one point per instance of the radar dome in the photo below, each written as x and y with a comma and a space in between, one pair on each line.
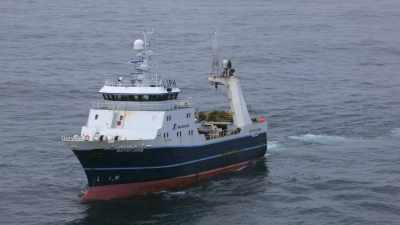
225, 63
138, 44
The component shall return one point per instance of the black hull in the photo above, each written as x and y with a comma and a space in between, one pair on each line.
110, 167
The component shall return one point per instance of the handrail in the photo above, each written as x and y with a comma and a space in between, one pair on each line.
142, 106
146, 83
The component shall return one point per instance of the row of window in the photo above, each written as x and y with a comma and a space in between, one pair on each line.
178, 134
169, 117
166, 135
158, 97
103, 138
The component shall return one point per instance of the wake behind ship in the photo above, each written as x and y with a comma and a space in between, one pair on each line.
143, 137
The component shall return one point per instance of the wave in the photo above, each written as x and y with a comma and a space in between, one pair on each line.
274, 146
172, 194
395, 132
320, 138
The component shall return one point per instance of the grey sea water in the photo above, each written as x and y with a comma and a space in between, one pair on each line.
327, 74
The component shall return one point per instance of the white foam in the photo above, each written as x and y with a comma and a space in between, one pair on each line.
274, 146
320, 138
172, 194
395, 132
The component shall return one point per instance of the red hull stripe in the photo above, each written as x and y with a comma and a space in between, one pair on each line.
120, 191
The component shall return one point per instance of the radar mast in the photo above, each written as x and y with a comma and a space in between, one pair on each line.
142, 61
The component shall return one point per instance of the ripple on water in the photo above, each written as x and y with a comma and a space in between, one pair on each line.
285, 198
382, 207
387, 189
339, 185
350, 196
323, 210
296, 189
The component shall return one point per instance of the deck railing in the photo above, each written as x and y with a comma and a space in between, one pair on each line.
143, 106
132, 83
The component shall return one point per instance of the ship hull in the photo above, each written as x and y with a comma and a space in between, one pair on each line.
113, 174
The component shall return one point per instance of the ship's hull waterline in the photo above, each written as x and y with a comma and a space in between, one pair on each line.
117, 175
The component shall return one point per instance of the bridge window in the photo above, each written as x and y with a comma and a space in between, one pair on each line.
155, 97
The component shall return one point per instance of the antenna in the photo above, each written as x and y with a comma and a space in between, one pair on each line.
147, 37
215, 64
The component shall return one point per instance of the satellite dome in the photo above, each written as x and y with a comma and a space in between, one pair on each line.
225, 63
138, 44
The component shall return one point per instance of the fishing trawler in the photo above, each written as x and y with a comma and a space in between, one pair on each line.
143, 137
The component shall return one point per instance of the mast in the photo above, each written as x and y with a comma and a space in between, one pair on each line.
142, 61
240, 114
215, 64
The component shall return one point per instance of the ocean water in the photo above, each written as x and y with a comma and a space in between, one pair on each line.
326, 74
